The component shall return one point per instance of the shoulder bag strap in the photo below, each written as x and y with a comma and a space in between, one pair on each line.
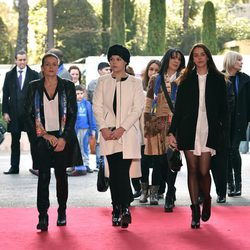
170, 104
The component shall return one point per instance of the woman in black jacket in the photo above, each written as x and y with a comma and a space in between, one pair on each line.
50, 118
240, 117
198, 123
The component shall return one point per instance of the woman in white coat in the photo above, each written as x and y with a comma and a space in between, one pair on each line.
118, 104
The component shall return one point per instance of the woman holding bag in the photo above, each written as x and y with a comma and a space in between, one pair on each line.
198, 124
156, 128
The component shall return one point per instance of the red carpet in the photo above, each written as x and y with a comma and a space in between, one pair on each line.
90, 229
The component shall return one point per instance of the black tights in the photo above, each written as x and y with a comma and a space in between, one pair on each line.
199, 178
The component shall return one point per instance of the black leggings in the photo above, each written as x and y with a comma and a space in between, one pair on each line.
155, 162
120, 188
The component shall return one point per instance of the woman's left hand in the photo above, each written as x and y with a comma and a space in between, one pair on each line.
117, 133
60, 145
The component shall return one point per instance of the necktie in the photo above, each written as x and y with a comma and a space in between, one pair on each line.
20, 78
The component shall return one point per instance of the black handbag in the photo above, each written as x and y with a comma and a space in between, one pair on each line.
102, 180
2, 132
174, 159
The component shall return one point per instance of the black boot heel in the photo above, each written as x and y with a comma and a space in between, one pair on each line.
43, 222
116, 220
195, 223
125, 218
206, 210
61, 219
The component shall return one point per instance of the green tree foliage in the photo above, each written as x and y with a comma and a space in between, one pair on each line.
105, 25
131, 19
5, 48
117, 22
78, 29
209, 27
156, 28
38, 32
22, 37
10, 31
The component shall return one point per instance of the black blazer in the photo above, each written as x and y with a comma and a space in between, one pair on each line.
74, 157
185, 117
13, 98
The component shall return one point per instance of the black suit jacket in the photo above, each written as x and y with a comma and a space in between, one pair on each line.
72, 149
13, 98
184, 121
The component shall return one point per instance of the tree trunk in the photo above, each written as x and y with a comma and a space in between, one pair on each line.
185, 15
117, 22
105, 25
50, 24
22, 37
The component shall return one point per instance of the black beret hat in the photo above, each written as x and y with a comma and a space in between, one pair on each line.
119, 50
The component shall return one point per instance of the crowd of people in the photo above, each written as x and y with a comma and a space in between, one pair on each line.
193, 108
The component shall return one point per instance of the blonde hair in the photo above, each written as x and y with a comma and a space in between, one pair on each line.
230, 59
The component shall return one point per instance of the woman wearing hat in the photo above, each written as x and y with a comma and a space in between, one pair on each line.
118, 104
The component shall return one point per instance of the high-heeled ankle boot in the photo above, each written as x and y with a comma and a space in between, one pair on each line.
206, 209
125, 217
43, 222
116, 220
61, 219
169, 204
195, 223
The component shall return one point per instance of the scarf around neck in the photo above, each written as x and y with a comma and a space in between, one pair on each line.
40, 130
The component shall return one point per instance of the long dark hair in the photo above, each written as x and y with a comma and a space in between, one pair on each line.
191, 65
171, 53
80, 74
145, 78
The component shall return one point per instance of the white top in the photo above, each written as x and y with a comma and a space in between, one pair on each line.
202, 124
51, 111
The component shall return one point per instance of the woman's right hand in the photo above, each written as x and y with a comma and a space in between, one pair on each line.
172, 141
51, 138
106, 134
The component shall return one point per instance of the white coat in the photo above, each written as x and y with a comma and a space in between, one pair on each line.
129, 107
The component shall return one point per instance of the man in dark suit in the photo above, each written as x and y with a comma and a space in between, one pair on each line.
14, 92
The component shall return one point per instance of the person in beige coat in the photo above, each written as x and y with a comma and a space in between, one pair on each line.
118, 103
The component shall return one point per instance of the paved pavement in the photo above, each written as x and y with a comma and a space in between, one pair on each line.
20, 190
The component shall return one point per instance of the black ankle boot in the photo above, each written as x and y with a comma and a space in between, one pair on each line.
230, 189
206, 209
61, 219
116, 220
195, 216
43, 222
169, 204
237, 189
125, 217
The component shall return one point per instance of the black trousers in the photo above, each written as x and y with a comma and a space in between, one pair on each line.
120, 188
43, 202
51, 159
15, 150
234, 164
219, 168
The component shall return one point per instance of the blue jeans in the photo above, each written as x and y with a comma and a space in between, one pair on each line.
99, 158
